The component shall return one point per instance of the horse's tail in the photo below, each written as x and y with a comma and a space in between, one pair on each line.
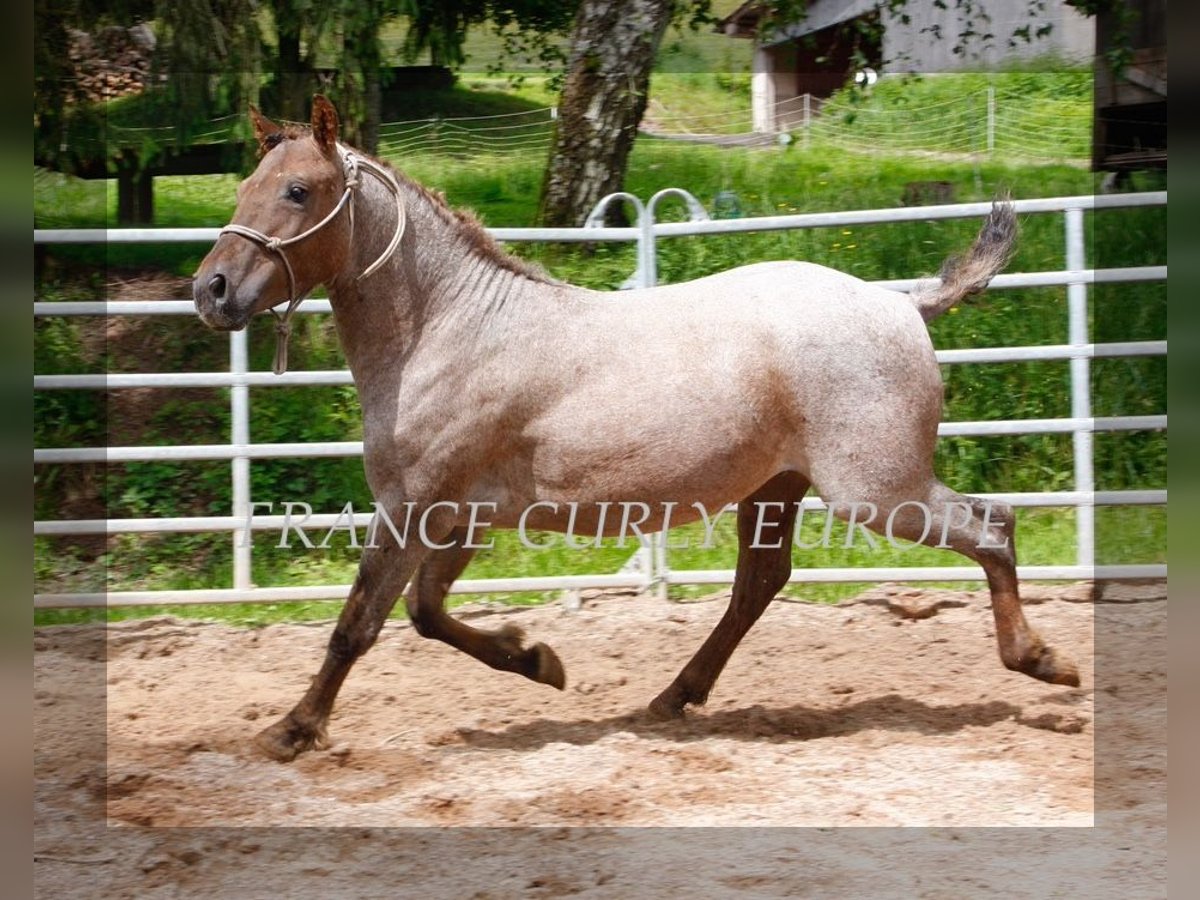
962, 276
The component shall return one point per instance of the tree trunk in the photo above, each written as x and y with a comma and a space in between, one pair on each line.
135, 193
291, 75
374, 102
613, 46
362, 65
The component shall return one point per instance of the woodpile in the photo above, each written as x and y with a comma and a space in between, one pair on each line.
113, 62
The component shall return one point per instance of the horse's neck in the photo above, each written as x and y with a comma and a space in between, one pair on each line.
437, 276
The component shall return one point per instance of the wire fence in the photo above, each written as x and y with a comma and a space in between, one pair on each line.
989, 120
503, 134
997, 120
223, 128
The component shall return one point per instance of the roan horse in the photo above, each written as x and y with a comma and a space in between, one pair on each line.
484, 380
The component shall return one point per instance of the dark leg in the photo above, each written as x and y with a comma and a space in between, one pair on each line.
382, 575
993, 547
501, 649
761, 572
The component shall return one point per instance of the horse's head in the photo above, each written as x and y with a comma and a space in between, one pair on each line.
289, 232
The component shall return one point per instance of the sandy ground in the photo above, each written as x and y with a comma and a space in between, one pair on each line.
449, 779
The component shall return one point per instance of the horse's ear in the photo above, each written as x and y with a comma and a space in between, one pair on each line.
324, 124
263, 128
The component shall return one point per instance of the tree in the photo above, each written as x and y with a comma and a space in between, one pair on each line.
206, 62
362, 64
440, 27
526, 27
613, 47
290, 67
54, 86
361, 96
209, 52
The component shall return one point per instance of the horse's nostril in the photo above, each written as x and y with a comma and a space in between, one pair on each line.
216, 286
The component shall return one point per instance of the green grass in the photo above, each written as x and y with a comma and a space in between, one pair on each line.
1045, 114
476, 95
700, 103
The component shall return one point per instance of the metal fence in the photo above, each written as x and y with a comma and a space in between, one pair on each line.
651, 566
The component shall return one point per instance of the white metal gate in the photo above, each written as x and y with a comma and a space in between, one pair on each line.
656, 571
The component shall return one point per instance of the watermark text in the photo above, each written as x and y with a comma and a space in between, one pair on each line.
956, 524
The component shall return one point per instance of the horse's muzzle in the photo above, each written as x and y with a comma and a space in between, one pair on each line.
219, 305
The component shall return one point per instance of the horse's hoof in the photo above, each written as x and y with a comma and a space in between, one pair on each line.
286, 739
666, 707
549, 667
1056, 668
1050, 666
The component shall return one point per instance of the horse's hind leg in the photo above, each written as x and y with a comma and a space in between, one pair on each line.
982, 531
762, 570
501, 649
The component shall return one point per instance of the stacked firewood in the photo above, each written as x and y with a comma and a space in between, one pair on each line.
113, 62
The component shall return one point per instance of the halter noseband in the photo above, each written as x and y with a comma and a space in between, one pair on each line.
351, 165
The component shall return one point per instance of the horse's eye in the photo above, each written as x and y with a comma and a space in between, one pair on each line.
297, 194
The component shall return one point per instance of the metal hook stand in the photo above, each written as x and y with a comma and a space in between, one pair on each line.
650, 558
646, 273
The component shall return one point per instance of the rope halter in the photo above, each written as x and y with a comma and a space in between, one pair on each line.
352, 164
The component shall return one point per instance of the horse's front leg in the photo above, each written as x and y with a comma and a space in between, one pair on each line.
501, 649
382, 574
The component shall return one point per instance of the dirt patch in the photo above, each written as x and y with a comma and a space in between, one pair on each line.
891, 710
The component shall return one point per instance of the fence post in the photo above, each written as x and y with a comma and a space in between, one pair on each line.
647, 276
595, 219
991, 119
647, 557
1081, 401
239, 416
807, 116
696, 213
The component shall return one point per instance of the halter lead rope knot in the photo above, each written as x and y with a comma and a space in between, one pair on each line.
283, 331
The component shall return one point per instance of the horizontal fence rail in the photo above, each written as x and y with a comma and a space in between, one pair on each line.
325, 521
116, 381
315, 449
650, 568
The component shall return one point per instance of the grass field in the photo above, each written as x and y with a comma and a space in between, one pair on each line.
504, 192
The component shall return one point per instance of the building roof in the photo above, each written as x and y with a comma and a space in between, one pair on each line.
744, 21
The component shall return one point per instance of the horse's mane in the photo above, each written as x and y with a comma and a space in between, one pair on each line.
464, 221
468, 224
290, 132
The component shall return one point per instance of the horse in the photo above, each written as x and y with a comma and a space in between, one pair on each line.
486, 383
